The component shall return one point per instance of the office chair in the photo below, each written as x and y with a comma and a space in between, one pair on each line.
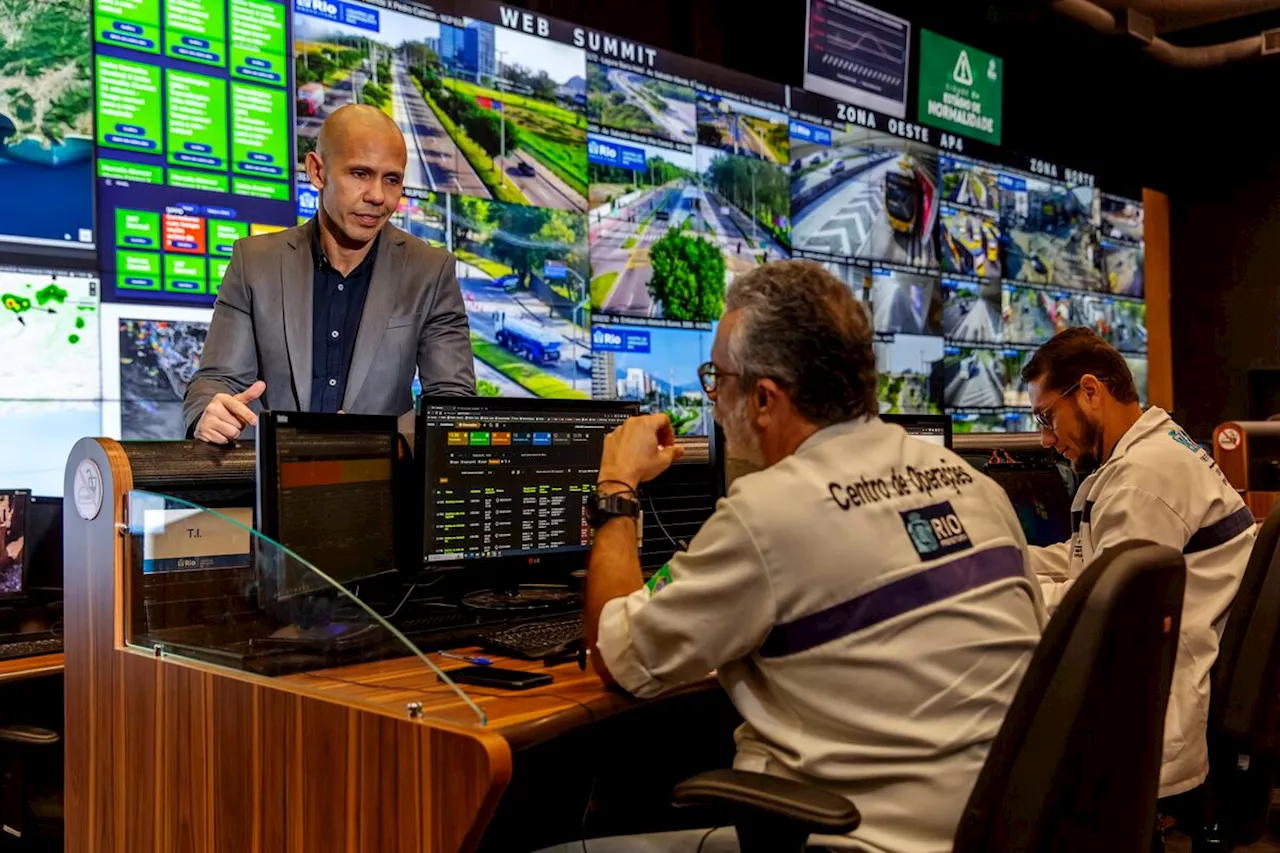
30, 812
1076, 763
1244, 745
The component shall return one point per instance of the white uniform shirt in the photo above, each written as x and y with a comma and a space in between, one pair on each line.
1159, 485
869, 606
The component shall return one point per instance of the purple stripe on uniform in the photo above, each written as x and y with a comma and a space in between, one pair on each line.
1220, 532
930, 586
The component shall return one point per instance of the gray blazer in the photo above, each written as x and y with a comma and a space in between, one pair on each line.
413, 318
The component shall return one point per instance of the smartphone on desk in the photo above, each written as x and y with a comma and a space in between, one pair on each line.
492, 676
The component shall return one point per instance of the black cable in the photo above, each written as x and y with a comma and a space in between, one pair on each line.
705, 837
586, 810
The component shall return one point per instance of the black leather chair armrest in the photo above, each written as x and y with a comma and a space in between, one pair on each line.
804, 807
27, 735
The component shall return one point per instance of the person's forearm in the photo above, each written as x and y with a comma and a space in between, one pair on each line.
613, 572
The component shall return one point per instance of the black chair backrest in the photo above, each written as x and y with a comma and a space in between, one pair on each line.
1076, 764
1243, 706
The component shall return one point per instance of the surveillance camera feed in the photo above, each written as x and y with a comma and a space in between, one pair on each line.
971, 311
906, 302
907, 366
1049, 232
864, 194
1122, 243
601, 200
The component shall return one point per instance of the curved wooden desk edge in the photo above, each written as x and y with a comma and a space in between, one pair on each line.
165, 754
16, 669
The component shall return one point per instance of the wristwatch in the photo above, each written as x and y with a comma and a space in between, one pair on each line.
602, 507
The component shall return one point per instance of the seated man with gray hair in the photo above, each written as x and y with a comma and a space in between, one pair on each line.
865, 598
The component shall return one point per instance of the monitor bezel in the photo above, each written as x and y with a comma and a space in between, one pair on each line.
902, 419
266, 466
499, 570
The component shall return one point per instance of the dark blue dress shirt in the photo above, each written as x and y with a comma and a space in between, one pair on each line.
336, 306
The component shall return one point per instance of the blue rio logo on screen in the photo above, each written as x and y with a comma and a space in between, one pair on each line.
619, 340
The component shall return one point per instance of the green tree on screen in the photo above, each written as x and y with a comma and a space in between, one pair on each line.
688, 277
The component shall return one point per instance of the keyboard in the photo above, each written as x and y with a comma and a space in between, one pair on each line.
30, 648
534, 640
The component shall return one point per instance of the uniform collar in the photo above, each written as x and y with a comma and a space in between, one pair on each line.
825, 434
1153, 419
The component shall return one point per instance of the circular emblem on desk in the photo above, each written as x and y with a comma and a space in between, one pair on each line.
87, 489
1229, 438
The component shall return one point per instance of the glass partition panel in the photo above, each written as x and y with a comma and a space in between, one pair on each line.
204, 585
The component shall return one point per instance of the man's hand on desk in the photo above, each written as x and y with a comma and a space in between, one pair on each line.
227, 415
639, 450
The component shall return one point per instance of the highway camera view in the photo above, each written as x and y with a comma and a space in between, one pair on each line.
659, 368
974, 378
969, 184
1048, 232
523, 272
671, 230
485, 111
743, 205
866, 195
624, 100
971, 311
905, 303
743, 129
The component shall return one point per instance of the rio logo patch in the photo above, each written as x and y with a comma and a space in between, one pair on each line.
935, 531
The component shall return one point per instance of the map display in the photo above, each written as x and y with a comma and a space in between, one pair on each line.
48, 336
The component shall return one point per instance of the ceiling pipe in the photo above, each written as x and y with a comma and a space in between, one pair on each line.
1207, 56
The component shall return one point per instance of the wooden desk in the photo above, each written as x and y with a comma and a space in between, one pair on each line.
17, 669
165, 755
524, 718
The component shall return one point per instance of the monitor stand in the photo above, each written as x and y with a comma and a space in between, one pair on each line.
527, 599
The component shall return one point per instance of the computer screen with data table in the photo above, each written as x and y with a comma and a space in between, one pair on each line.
509, 478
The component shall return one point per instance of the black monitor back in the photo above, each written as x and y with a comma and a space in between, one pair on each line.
44, 544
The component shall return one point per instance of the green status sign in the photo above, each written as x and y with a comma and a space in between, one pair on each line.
959, 87
196, 30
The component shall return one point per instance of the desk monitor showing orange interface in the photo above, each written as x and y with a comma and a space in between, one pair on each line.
326, 491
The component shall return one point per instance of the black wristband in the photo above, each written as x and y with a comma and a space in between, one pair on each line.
630, 488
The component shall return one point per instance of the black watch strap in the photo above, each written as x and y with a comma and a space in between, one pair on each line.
602, 507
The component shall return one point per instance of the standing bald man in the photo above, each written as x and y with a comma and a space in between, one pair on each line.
334, 315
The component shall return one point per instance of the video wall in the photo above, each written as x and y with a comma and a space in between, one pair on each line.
600, 197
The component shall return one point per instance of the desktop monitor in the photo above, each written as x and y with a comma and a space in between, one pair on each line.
13, 538
505, 481
931, 428
44, 543
1040, 498
326, 491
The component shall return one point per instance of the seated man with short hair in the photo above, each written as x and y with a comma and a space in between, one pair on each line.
1147, 480
866, 599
